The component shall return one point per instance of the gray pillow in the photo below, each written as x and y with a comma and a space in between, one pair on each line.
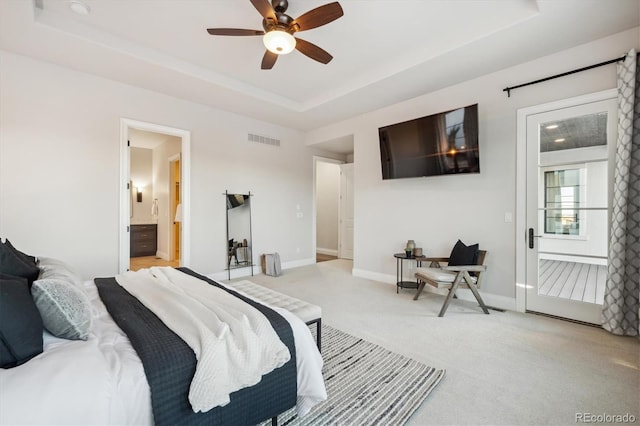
64, 308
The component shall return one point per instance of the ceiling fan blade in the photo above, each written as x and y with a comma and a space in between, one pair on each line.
319, 16
265, 9
313, 51
269, 60
233, 32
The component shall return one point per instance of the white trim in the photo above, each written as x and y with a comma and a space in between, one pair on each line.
297, 263
328, 252
374, 276
521, 180
185, 183
495, 300
162, 255
246, 272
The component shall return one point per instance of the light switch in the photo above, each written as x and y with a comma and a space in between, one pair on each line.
508, 217
299, 215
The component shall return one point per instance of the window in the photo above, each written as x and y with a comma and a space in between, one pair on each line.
563, 191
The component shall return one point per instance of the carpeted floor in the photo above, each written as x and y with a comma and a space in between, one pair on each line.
366, 384
506, 368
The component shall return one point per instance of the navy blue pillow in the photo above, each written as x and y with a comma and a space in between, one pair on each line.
20, 323
11, 264
30, 260
463, 254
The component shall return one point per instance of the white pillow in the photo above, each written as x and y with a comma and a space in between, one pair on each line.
64, 308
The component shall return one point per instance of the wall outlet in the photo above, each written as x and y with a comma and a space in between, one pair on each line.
299, 215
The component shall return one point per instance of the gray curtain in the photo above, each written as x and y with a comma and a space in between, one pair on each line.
620, 311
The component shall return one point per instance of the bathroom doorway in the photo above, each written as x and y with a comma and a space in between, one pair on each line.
154, 197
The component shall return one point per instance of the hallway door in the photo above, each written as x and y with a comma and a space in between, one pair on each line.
345, 250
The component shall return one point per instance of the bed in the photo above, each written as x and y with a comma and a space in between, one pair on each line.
133, 369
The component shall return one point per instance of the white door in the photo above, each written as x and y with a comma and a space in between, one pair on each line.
567, 208
345, 250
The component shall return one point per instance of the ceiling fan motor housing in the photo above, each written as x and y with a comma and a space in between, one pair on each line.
280, 5
283, 22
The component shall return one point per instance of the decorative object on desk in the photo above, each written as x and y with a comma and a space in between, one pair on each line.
417, 252
409, 247
366, 383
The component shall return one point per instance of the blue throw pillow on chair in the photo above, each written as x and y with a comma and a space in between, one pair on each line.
463, 254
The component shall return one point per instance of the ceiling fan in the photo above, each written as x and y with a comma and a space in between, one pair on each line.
279, 29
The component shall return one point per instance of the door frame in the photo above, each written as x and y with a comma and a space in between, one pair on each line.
341, 237
521, 180
314, 224
125, 199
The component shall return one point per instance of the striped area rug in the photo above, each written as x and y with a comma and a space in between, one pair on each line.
366, 384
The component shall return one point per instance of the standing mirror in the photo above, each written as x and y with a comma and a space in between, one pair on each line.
239, 243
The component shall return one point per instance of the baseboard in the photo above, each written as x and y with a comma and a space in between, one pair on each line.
235, 273
491, 300
246, 272
328, 252
374, 276
162, 255
297, 263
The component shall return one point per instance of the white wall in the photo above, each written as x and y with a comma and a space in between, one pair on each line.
141, 176
60, 162
327, 204
162, 191
436, 211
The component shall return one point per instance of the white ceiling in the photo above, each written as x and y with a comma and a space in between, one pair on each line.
384, 51
148, 140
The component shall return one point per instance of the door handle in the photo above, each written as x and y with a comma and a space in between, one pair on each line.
531, 237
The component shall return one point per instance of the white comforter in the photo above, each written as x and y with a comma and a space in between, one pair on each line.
102, 381
234, 343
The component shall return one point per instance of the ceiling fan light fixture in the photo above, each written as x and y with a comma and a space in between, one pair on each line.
279, 42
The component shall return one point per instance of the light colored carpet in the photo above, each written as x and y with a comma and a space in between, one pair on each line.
504, 368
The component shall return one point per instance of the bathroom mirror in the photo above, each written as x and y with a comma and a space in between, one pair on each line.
239, 242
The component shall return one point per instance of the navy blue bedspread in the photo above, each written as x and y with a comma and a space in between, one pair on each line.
169, 364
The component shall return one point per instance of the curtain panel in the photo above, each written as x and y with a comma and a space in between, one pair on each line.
621, 301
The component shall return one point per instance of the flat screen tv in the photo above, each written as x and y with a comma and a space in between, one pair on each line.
439, 144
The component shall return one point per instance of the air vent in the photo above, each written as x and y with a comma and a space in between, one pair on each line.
263, 139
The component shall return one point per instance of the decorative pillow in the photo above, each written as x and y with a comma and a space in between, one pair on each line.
463, 254
57, 269
65, 309
29, 260
20, 323
10, 263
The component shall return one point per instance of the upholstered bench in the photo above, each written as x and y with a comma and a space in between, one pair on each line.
307, 312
